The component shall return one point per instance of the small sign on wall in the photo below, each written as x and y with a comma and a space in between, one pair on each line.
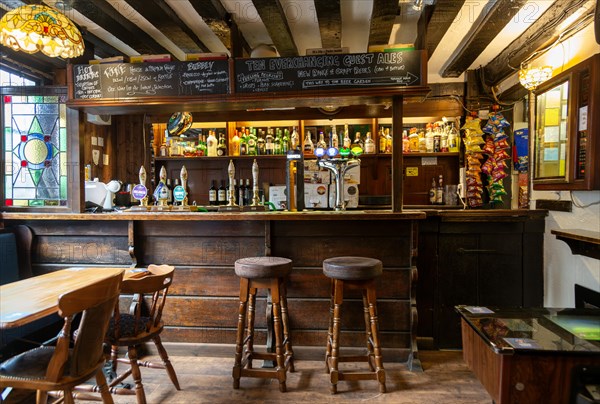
429, 161
412, 171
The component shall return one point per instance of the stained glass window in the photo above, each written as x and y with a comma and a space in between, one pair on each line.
35, 149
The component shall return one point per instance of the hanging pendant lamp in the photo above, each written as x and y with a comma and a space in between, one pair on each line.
36, 27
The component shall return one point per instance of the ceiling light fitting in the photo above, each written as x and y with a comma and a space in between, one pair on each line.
531, 78
37, 28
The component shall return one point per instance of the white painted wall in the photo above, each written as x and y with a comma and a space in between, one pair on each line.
562, 269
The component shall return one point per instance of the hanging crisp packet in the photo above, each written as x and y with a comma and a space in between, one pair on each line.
473, 124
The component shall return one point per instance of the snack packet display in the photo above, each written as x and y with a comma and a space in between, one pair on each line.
496, 146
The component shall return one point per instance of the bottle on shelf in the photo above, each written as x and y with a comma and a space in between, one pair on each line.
211, 144
444, 139
335, 141
437, 138
429, 138
175, 185
222, 146
439, 194
222, 194
169, 192
235, 144
382, 140
422, 145
295, 140
308, 144
269, 143
252, 147
200, 147
285, 141
247, 192
388, 141
369, 144
243, 143
405, 142
453, 139
278, 143
347, 142
163, 150
260, 143
321, 143
413, 140
212, 194
433, 192
358, 142
240, 193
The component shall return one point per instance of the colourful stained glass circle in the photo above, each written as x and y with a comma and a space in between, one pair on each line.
36, 151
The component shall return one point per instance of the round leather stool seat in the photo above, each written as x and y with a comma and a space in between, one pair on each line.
263, 267
352, 268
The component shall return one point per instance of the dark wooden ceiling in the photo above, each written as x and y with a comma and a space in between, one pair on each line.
436, 17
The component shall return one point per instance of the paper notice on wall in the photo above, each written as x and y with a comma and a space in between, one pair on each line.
94, 141
96, 157
583, 118
101, 141
105, 159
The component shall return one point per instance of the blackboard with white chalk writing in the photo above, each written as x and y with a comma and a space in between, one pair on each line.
356, 70
132, 80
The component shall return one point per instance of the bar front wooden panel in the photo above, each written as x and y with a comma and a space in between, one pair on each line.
203, 301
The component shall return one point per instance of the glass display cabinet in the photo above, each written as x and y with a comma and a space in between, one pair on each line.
567, 129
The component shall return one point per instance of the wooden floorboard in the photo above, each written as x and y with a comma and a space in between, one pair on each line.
206, 378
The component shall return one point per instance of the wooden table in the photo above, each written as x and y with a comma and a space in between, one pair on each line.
30, 299
529, 355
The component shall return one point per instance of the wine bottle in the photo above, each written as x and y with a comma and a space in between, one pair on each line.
222, 194
212, 194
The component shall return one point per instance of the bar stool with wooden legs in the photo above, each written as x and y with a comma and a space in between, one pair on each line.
267, 273
354, 273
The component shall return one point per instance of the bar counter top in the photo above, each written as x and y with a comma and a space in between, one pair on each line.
407, 214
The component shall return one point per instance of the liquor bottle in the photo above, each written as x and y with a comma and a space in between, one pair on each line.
405, 142
170, 192
422, 144
235, 144
222, 194
295, 140
240, 193
413, 140
369, 144
269, 143
429, 138
382, 140
243, 143
335, 141
278, 144
285, 141
346, 143
260, 144
433, 192
252, 150
358, 142
211, 144
308, 144
247, 192
388, 141
222, 146
212, 194
453, 139
439, 194
437, 138
444, 140
321, 143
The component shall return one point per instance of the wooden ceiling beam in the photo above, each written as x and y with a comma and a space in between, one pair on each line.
443, 15
159, 14
481, 34
219, 21
382, 20
123, 28
544, 30
272, 15
329, 15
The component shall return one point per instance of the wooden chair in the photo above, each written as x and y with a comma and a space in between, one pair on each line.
137, 327
60, 367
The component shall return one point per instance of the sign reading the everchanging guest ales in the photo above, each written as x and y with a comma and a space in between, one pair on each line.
320, 72
132, 80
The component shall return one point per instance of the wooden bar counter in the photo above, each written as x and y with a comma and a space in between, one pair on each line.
204, 246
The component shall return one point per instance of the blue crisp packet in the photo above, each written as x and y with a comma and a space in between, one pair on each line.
522, 150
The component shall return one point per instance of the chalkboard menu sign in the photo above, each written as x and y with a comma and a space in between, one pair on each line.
131, 80
356, 70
